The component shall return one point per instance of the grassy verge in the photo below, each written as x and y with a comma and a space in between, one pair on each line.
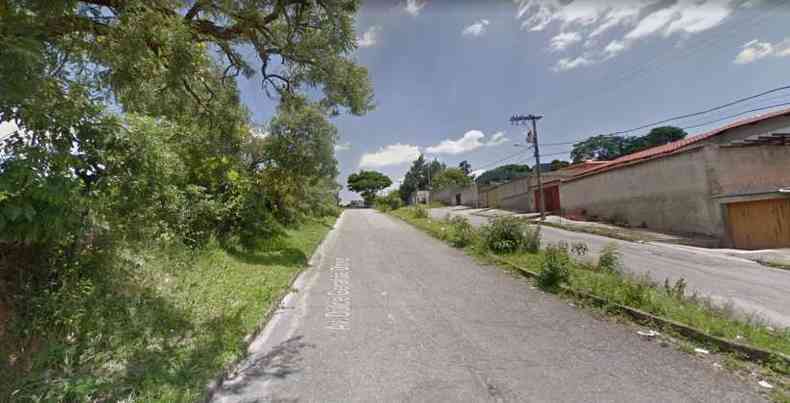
156, 330
774, 263
665, 300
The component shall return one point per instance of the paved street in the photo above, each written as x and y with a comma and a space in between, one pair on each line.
390, 314
750, 288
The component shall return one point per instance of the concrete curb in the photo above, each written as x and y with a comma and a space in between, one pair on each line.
752, 353
219, 380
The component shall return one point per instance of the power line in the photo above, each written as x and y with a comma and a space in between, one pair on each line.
736, 115
703, 112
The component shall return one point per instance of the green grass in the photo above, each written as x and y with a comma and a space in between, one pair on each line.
639, 293
783, 265
644, 295
160, 329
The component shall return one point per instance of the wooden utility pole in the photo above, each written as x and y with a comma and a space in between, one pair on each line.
520, 120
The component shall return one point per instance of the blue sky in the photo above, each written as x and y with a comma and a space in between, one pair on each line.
448, 75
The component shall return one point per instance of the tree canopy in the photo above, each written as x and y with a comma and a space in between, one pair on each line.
109, 93
451, 177
503, 173
419, 177
368, 184
605, 148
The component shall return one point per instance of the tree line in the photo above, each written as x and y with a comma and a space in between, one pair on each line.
132, 131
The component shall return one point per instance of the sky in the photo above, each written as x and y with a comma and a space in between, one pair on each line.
448, 75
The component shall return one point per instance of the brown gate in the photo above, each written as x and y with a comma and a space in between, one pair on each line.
760, 224
552, 194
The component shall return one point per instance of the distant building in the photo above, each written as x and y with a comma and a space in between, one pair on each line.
420, 197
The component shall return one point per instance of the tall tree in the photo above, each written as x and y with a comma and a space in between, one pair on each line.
451, 177
84, 80
368, 184
420, 176
466, 167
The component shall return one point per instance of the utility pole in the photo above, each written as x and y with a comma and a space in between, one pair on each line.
520, 120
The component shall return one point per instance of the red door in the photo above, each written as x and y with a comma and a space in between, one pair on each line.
552, 194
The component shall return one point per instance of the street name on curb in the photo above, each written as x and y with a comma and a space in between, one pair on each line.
338, 309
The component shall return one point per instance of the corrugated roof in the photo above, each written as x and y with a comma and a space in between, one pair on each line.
676, 146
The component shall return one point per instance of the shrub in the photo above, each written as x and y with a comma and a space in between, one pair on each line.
556, 267
610, 260
677, 290
461, 232
532, 244
420, 211
391, 201
509, 234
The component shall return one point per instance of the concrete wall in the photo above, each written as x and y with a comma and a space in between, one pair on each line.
448, 196
670, 194
737, 171
686, 192
469, 196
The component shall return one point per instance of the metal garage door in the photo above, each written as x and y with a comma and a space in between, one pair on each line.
760, 224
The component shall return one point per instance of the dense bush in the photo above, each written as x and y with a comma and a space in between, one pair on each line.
510, 234
556, 267
391, 201
610, 260
461, 233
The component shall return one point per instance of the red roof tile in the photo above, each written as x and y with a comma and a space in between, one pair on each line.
675, 146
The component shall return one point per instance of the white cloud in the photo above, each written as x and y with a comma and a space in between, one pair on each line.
563, 40
640, 19
342, 147
476, 29
471, 140
370, 37
614, 48
414, 7
755, 50
393, 154
497, 139
567, 63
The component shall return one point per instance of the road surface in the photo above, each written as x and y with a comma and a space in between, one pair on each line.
751, 289
388, 314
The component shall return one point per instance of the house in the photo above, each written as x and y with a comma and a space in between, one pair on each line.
457, 196
420, 197
730, 183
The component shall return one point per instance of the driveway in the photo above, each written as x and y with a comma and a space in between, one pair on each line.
388, 314
753, 290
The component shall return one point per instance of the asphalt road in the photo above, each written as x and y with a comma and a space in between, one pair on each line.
390, 314
750, 289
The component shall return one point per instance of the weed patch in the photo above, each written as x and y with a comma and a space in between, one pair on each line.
509, 235
155, 325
